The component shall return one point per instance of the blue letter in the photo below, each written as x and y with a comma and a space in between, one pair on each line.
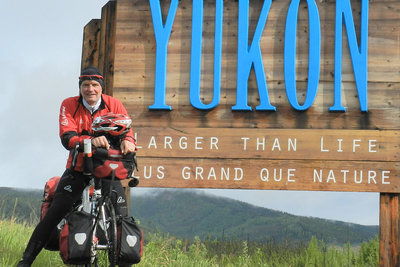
290, 54
358, 54
162, 34
195, 65
248, 57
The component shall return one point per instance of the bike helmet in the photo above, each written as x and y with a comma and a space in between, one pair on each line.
111, 123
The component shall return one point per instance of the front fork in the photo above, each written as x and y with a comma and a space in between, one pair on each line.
99, 213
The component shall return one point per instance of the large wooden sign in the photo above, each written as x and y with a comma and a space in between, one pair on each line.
288, 94
270, 159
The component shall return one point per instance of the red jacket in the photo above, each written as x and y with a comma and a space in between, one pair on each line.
75, 122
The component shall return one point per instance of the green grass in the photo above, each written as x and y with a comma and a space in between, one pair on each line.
164, 250
13, 239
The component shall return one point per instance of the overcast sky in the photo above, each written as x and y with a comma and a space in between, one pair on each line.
40, 54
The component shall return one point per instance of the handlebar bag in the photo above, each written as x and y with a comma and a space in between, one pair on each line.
76, 237
105, 161
130, 241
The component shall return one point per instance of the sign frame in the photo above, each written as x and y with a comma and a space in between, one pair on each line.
99, 49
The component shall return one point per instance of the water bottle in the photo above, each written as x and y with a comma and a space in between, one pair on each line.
87, 157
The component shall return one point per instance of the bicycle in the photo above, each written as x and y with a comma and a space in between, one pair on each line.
100, 204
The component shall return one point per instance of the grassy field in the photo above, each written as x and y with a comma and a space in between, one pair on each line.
13, 239
163, 250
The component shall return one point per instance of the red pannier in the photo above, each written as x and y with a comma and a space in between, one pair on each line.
48, 195
76, 237
130, 241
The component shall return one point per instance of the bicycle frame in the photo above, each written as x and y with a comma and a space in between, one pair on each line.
100, 205
102, 221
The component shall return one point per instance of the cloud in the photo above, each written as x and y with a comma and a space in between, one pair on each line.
40, 59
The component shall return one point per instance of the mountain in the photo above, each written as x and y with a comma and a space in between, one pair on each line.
186, 214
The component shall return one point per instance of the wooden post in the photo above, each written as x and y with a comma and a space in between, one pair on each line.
389, 225
107, 45
98, 45
90, 47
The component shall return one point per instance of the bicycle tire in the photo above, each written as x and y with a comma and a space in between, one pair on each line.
112, 251
110, 255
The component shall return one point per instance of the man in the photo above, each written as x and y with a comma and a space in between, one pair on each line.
75, 120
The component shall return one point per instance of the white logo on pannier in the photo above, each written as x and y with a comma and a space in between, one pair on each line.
131, 240
113, 166
80, 238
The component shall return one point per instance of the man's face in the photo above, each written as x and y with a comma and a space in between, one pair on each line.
91, 91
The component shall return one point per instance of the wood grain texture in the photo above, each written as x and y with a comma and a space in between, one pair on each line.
135, 62
389, 230
241, 143
90, 47
317, 175
107, 45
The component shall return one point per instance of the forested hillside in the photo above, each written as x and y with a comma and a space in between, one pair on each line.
20, 204
187, 214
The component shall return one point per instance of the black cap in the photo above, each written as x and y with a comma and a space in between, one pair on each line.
91, 73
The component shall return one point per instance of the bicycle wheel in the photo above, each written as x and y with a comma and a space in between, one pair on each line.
109, 229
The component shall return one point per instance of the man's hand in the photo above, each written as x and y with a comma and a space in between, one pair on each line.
101, 141
127, 147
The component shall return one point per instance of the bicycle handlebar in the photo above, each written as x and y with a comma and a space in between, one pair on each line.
104, 153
